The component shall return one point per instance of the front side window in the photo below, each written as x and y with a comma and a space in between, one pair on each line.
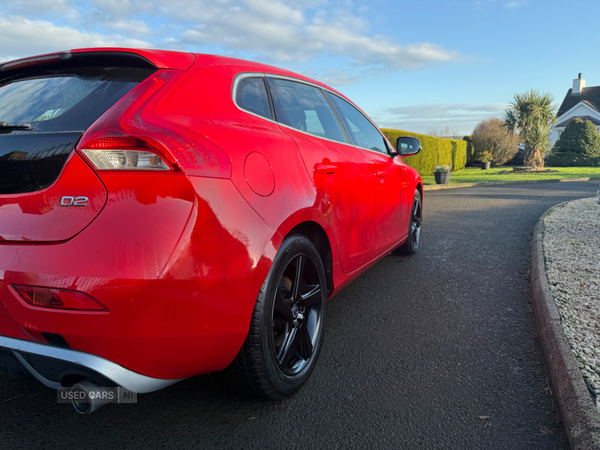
251, 95
365, 133
305, 108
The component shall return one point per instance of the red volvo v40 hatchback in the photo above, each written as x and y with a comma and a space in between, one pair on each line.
168, 214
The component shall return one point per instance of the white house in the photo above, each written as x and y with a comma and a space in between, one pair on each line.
582, 102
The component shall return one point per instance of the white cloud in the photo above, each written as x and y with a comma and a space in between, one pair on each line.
336, 77
141, 28
285, 34
307, 3
25, 37
279, 30
125, 9
433, 111
276, 31
460, 117
515, 4
273, 11
40, 8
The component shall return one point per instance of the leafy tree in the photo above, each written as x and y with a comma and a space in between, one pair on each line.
492, 136
578, 145
531, 114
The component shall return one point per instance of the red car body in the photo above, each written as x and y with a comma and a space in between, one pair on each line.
172, 261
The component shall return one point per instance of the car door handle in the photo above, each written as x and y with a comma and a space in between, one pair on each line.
328, 169
381, 174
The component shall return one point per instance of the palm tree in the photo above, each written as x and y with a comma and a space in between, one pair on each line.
531, 114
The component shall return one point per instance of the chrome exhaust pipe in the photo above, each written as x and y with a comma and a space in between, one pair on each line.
89, 396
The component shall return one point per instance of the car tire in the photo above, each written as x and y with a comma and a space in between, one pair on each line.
413, 240
286, 329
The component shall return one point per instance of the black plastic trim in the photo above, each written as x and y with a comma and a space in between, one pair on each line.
72, 60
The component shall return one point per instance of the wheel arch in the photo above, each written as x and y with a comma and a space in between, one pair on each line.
420, 189
318, 236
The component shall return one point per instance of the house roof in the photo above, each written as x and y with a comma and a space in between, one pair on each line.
564, 123
588, 95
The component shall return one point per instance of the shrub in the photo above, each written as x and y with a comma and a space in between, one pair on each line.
578, 146
436, 152
470, 150
484, 157
491, 136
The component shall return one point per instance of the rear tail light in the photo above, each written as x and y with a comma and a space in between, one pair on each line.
58, 298
125, 160
129, 136
123, 153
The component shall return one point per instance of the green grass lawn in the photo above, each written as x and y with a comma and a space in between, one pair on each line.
479, 176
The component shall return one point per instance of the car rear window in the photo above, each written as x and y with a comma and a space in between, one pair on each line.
65, 100
59, 105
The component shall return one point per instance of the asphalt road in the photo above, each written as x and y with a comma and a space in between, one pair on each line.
436, 350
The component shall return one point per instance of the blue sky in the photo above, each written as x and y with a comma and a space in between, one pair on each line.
415, 65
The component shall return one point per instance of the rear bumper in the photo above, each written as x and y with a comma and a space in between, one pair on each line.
171, 264
51, 365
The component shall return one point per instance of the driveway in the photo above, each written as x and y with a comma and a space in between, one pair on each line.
437, 350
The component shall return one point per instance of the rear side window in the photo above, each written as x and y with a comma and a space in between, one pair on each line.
251, 95
59, 105
305, 108
365, 133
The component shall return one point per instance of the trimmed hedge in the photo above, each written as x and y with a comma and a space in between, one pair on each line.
436, 152
470, 150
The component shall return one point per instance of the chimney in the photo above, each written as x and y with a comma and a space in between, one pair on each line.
578, 85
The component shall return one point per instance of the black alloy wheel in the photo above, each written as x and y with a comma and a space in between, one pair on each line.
413, 240
297, 311
287, 324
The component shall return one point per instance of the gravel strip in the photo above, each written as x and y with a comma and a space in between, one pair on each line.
571, 251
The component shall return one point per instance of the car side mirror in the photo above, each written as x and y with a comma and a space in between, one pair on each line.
406, 146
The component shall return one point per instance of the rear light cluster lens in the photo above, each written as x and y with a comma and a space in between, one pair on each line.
58, 298
125, 160
123, 153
